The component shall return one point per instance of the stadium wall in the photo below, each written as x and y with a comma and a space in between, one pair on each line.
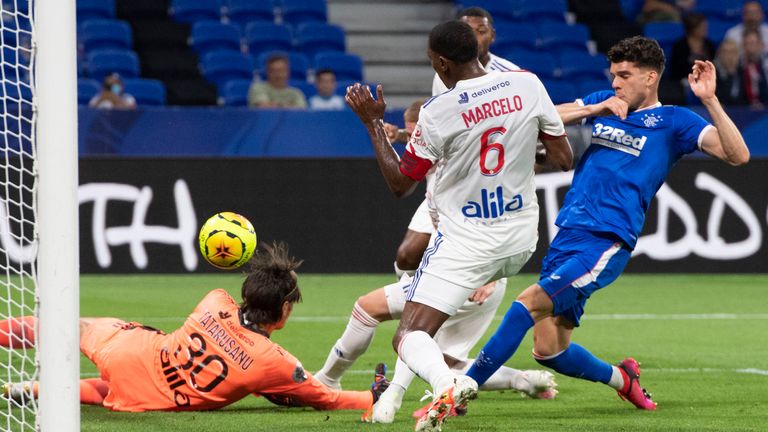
142, 215
269, 133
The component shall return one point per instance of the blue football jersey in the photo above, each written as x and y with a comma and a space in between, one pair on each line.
625, 165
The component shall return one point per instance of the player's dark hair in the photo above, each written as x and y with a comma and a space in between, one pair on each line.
640, 50
475, 11
454, 40
277, 57
268, 284
325, 71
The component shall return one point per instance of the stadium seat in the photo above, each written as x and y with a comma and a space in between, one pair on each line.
538, 10
728, 10
717, 29
631, 8
219, 67
299, 64
235, 93
94, 9
307, 88
347, 67
147, 92
577, 67
241, 12
190, 11
558, 37
540, 63
590, 86
262, 37
560, 91
312, 38
105, 34
300, 11
210, 36
104, 62
666, 33
87, 88
500, 10
514, 36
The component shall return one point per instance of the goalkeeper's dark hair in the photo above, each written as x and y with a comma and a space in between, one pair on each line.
475, 11
454, 40
269, 283
640, 50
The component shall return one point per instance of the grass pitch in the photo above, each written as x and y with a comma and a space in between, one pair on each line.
701, 340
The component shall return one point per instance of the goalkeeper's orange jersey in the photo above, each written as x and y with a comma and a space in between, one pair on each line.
210, 362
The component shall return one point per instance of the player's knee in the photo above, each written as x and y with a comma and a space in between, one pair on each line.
374, 304
536, 300
408, 257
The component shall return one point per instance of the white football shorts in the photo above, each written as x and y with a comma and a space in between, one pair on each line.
460, 332
421, 221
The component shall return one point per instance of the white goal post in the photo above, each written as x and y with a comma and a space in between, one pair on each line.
39, 241
58, 256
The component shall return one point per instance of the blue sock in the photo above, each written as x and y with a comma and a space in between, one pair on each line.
502, 344
577, 362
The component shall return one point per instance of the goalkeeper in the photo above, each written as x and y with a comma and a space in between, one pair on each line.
220, 355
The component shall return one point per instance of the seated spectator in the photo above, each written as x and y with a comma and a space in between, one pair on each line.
275, 92
113, 95
665, 10
754, 69
691, 47
752, 18
729, 89
326, 97
410, 117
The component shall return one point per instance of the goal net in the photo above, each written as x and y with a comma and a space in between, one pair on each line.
18, 244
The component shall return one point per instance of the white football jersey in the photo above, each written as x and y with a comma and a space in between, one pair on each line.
481, 137
494, 64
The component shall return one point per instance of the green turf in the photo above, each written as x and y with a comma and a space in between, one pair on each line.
690, 365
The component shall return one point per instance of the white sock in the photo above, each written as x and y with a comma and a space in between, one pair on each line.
422, 355
351, 345
617, 379
505, 378
400, 272
403, 375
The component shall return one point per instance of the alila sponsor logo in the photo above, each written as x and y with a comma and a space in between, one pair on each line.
618, 139
491, 205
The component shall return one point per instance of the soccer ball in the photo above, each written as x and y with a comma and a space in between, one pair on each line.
227, 240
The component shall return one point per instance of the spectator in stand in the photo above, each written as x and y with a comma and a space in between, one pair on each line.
752, 18
729, 88
113, 95
665, 10
326, 97
754, 69
693, 46
275, 92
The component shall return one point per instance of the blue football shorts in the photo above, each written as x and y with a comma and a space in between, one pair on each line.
577, 264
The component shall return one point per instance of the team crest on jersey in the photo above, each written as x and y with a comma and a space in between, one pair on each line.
650, 120
299, 376
463, 98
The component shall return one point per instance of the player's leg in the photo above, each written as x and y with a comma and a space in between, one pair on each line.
368, 311
414, 242
371, 309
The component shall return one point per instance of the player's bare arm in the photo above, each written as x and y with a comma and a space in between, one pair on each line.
371, 113
725, 141
572, 112
559, 154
